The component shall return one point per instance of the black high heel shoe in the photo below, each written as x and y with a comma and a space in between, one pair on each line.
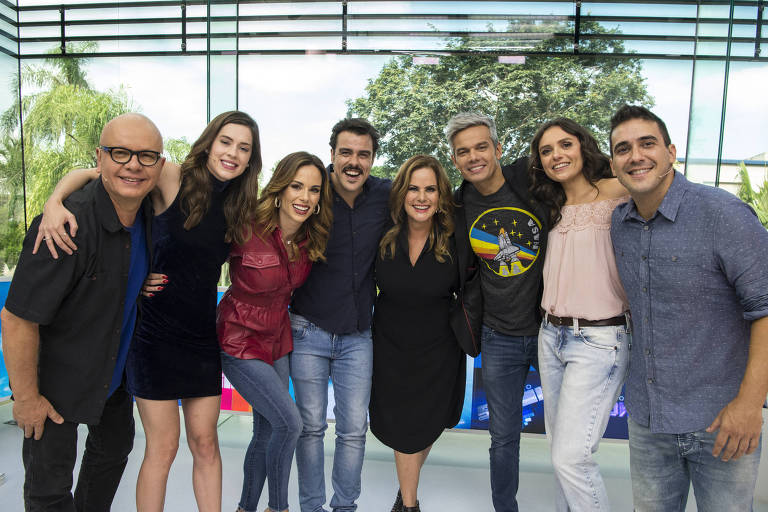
411, 509
398, 506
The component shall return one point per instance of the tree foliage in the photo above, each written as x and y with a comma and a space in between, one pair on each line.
62, 121
411, 104
758, 200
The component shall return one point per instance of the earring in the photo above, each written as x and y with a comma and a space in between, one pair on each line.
317, 209
278, 202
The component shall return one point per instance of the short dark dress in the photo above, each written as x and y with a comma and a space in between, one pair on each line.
175, 352
418, 367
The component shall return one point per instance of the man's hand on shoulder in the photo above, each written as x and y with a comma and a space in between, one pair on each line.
30, 415
738, 424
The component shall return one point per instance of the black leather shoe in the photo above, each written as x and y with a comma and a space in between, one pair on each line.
398, 506
411, 509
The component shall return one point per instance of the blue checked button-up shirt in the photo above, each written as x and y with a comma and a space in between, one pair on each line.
696, 275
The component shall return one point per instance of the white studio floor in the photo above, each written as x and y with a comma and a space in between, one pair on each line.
455, 477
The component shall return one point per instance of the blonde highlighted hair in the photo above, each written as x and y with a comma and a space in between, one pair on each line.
442, 222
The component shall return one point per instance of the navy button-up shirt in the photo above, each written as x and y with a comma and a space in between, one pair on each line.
338, 296
696, 275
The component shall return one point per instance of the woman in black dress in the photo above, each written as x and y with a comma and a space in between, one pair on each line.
418, 367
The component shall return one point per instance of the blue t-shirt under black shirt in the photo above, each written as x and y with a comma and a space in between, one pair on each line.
136, 275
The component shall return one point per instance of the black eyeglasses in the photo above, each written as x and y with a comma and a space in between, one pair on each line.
123, 155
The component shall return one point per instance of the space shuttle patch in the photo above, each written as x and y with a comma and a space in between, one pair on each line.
506, 240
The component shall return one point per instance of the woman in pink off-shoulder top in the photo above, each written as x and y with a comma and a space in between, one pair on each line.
584, 336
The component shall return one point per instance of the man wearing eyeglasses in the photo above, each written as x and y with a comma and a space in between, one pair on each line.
68, 322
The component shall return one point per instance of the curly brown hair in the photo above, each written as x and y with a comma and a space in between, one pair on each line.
549, 192
242, 192
317, 227
442, 225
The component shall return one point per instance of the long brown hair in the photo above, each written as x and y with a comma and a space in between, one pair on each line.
442, 223
242, 192
547, 191
317, 227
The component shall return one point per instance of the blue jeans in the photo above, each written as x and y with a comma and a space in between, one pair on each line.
663, 467
348, 360
581, 377
505, 361
276, 427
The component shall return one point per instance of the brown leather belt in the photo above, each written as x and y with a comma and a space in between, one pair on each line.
566, 321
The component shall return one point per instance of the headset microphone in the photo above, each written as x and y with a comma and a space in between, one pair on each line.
671, 168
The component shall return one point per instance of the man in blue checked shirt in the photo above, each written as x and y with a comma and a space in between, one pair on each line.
694, 263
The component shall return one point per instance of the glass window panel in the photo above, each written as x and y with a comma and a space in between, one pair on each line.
650, 28
7, 27
746, 12
51, 31
290, 25
669, 84
8, 12
30, 16
745, 126
561, 8
223, 43
124, 29
291, 43
33, 48
223, 10
712, 48
223, 27
713, 29
659, 47
299, 8
9, 45
704, 136
714, 11
743, 50
405, 43
223, 82
480, 25
744, 31
637, 9
195, 45
123, 13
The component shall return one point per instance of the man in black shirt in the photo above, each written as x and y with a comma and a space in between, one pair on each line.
67, 325
497, 217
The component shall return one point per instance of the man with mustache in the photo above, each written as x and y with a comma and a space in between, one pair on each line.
331, 322
692, 259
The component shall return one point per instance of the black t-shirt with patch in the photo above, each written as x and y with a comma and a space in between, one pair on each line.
508, 239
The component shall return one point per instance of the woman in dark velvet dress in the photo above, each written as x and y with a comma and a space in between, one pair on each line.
200, 207
418, 367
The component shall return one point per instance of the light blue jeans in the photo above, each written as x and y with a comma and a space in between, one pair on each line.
347, 359
276, 427
581, 377
663, 467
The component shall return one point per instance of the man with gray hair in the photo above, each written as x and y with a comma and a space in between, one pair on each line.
68, 322
498, 221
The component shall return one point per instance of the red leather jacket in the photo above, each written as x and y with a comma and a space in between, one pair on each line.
252, 318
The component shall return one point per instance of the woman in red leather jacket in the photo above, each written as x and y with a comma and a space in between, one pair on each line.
291, 223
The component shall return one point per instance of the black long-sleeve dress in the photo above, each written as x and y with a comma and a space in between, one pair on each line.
418, 367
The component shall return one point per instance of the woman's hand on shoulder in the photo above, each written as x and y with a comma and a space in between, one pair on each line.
53, 229
154, 283
611, 188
